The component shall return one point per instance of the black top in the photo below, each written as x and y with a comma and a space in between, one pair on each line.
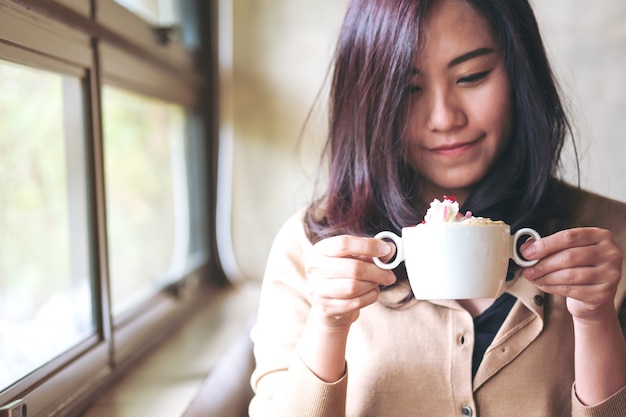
486, 326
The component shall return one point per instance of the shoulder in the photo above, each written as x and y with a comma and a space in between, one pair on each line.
290, 244
586, 208
292, 232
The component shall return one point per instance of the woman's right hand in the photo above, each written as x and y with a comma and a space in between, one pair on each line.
342, 278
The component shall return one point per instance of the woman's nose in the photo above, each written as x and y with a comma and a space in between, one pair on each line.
445, 112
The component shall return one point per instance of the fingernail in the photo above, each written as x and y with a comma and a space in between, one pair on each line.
529, 273
384, 248
527, 250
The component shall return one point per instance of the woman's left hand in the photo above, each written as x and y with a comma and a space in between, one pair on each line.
582, 264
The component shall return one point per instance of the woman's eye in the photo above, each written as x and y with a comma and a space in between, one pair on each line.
473, 78
414, 89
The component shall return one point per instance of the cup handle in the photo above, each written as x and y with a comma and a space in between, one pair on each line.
516, 257
397, 240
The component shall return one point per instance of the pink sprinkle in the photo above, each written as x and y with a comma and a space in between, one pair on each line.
445, 212
468, 214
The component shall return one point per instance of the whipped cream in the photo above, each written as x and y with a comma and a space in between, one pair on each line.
447, 211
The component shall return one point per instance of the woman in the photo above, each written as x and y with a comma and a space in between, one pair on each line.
432, 98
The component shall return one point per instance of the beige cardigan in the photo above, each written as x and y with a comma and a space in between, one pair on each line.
416, 360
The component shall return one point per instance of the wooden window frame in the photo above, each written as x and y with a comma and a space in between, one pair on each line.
101, 42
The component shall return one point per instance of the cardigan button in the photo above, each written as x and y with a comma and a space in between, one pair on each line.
539, 300
466, 411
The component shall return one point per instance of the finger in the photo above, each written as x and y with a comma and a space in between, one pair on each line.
340, 288
580, 276
588, 294
346, 245
572, 258
329, 268
338, 307
560, 241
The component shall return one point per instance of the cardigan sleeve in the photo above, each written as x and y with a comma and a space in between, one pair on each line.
282, 383
299, 393
614, 406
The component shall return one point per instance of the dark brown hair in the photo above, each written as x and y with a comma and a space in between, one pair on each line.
370, 185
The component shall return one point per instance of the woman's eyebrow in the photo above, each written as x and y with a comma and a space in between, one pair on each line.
470, 55
460, 59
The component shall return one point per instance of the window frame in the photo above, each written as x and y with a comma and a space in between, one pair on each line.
101, 42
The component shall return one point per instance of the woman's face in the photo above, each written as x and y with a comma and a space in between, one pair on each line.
460, 104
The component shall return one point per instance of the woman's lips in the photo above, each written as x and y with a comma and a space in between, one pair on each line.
455, 148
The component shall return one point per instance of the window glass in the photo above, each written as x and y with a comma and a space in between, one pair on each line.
46, 302
156, 12
146, 194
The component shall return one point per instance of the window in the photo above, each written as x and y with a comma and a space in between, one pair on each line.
147, 213
104, 193
46, 303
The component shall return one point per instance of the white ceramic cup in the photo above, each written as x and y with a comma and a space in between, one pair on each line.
454, 261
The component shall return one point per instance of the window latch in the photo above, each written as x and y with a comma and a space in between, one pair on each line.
16, 408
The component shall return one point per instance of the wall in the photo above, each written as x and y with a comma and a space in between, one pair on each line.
281, 50
587, 45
